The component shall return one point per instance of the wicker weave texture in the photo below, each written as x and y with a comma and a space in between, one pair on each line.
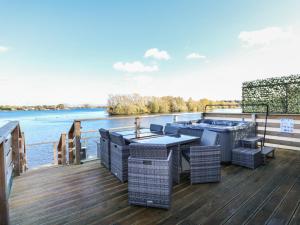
205, 163
119, 161
148, 151
105, 152
150, 182
247, 157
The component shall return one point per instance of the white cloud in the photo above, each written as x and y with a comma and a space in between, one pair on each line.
134, 67
157, 54
3, 49
222, 78
265, 36
195, 56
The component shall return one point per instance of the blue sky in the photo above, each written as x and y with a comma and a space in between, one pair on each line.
81, 51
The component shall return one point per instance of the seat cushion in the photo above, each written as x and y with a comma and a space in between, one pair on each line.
209, 138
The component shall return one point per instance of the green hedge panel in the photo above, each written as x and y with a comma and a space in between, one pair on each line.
282, 94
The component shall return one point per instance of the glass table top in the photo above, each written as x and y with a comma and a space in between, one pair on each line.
166, 140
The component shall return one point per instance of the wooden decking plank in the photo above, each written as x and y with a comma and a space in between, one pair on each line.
65, 206
177, 205
190, 207
151, 217
93, 213
216, 210
89, 194
128, 210
295, 219
49, 192
250, 205
265, 210
62, 196
60, 184
285, 209
50, 177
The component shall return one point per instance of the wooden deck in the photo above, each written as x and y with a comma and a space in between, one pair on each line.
89, 194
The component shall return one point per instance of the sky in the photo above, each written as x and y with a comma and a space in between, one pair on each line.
75, 52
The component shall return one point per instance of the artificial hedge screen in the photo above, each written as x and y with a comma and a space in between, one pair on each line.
282, 94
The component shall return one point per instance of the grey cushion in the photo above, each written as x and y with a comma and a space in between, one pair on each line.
104, 133
171, 130
117, 139
156, 128
209, 138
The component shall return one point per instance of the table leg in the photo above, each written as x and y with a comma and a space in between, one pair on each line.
176, 165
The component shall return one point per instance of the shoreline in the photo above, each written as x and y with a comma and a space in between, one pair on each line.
48, 109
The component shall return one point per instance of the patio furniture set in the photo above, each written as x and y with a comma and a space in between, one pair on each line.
151, 160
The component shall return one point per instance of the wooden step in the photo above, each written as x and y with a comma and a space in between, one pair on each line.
266, 150
252, 139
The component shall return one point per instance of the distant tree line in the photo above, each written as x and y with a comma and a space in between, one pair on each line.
135, 104
45, 107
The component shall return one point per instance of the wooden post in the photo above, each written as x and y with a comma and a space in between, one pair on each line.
253, 118
77, 127
174, 118
137, 123
16, 150
63, 148
71, 144
55, 154
23, 157
4, 209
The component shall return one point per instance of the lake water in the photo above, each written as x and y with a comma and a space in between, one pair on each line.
46, 126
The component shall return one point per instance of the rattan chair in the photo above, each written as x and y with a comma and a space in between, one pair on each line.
119, 153
205, 164
156, 128
105, 147
205, 159
150, 175
208, 138
191, 132
171, 130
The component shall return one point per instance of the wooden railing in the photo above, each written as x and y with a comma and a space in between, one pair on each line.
12, 163
274, 136
62, 150
74, 144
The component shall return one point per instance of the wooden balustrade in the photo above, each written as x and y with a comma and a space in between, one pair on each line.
12, 163
74, 144
62, 150
71, 144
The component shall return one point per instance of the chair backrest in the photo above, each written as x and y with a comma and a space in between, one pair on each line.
156, 128
117, 139
104, 133
209, 138
171, 130
148, 151
191, 132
